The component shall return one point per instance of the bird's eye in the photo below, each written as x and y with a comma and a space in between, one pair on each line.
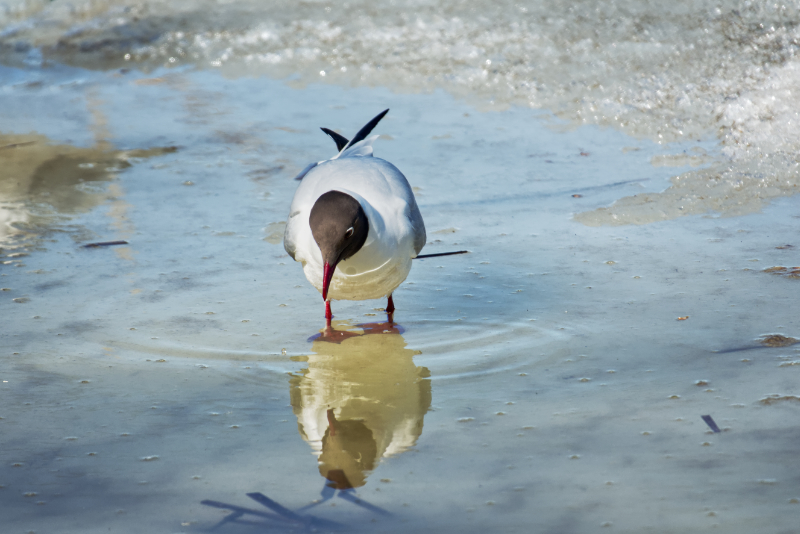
349, 233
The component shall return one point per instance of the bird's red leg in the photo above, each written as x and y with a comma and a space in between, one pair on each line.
328, 314
390, 307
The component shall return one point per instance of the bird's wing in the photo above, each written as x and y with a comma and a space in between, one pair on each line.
340, 140
419, 228
365, 131
305, 171
357, 146
289, 236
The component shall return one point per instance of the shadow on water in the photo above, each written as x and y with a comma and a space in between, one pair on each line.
359, 399
280, 516
766, 341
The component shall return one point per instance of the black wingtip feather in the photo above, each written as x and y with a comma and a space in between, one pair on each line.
365, 131
340, 140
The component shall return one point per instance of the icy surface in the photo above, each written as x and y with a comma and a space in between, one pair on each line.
671, 71
554, 379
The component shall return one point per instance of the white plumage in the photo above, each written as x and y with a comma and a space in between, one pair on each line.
396, 230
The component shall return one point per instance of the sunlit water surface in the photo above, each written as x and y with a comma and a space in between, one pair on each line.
551, 380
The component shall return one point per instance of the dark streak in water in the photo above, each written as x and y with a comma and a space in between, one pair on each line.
767, 341
17, 145
105, 244
423, 256
710, 422
739, 349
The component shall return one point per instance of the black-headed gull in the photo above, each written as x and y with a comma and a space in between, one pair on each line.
354, 223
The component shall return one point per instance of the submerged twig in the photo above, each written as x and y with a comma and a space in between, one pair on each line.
17, 145
423, 256
104, 244
710, 422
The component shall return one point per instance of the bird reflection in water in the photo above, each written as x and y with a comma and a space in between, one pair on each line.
360, 399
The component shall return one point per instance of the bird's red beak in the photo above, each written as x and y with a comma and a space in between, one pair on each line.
327, 274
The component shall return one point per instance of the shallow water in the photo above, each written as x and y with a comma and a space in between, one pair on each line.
553, 379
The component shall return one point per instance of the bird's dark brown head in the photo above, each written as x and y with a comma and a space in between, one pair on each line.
340, 228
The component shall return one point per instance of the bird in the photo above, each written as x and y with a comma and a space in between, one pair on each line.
354, 223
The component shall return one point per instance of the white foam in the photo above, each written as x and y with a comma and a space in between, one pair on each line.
681, 70
765, 119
